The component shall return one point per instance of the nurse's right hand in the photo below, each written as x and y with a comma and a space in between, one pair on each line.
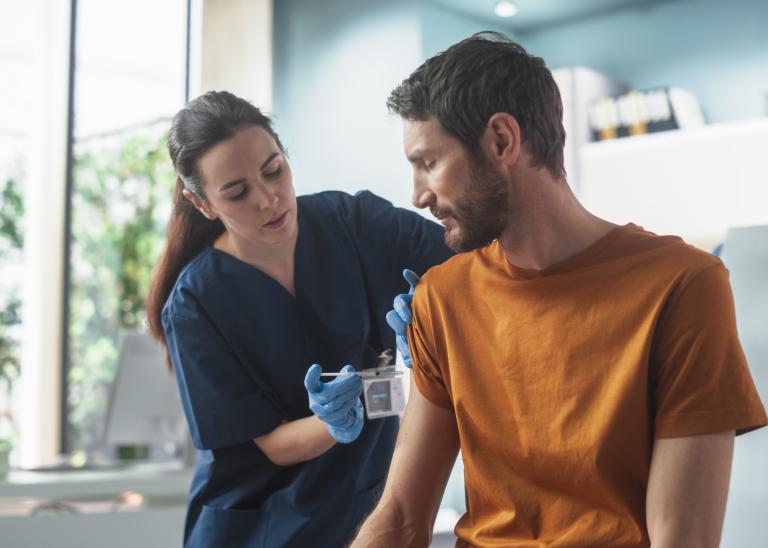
337, 403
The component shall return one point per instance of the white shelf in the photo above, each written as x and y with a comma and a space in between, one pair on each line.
157, 522
694, 183
156, 480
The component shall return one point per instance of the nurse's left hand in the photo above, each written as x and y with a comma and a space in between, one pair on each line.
337, 403
401, 316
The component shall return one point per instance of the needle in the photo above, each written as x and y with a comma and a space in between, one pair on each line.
384, 372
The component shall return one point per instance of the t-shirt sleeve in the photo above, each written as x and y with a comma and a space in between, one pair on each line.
700, 380
402, 238
427, 374
224, 406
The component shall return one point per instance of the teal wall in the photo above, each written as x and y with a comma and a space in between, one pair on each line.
441, 28
716, 49
335, 63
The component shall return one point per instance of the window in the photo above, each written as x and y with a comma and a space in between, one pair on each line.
130, 78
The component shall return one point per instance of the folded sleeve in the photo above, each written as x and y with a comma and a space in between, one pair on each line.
700, 379
427, 373
224, 406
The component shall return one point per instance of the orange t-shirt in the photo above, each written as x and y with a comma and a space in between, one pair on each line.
560, 380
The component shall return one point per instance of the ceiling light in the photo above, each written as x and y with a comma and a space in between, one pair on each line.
505, 9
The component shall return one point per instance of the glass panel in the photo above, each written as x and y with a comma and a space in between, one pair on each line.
129, 81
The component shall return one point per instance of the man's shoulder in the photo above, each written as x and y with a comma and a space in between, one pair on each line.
665, 252
450, 275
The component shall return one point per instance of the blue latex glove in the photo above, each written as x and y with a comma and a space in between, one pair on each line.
401, 316
337, 403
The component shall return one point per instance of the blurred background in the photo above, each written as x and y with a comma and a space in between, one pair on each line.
666, 111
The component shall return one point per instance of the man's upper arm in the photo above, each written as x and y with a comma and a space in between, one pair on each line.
424, 455
426, 447
699, 375
688, 489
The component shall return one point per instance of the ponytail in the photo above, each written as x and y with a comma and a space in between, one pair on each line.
188, 234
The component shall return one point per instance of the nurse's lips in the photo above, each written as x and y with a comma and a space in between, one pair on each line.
277, 220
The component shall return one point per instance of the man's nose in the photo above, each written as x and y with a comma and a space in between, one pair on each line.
422, 196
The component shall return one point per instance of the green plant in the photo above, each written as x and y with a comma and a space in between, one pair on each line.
11, 243
7, 431
120, 205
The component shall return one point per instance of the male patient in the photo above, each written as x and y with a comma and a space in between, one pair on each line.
591, 373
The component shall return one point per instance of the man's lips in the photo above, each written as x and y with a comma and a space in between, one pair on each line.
440, 214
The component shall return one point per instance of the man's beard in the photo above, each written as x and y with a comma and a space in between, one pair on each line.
482, 213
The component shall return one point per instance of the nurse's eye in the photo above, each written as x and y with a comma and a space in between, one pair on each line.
429, 165
240, 195
274, 173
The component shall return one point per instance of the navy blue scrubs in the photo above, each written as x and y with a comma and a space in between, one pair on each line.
241, 344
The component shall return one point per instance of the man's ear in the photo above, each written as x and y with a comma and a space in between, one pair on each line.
502, 138
199, 204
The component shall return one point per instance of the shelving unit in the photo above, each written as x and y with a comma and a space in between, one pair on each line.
693, 183
159, 521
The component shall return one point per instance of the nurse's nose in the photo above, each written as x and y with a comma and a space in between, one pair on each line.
263, 197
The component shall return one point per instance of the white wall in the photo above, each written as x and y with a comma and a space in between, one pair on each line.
39, 411
232, 49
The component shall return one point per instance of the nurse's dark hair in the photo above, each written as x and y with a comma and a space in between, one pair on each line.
474, 79
203, 123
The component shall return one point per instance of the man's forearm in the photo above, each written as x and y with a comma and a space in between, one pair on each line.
388, 526
424, 455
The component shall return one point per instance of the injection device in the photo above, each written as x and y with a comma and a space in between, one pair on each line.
382, 388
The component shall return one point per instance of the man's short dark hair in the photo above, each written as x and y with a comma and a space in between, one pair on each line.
487, 73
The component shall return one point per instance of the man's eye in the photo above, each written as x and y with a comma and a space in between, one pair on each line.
430, 165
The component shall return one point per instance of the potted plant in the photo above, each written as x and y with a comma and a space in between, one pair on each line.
7, 434
9, 372
11, 243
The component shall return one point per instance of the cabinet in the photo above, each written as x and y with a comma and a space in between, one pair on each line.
579, 86
157, 522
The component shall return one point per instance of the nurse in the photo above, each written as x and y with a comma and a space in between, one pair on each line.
255, 286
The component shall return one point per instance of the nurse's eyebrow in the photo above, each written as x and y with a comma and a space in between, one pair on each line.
271, 157
227, 186
230, 184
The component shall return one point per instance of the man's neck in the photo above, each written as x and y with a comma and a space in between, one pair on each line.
550, 225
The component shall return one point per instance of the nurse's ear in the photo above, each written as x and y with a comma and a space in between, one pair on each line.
200, 205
